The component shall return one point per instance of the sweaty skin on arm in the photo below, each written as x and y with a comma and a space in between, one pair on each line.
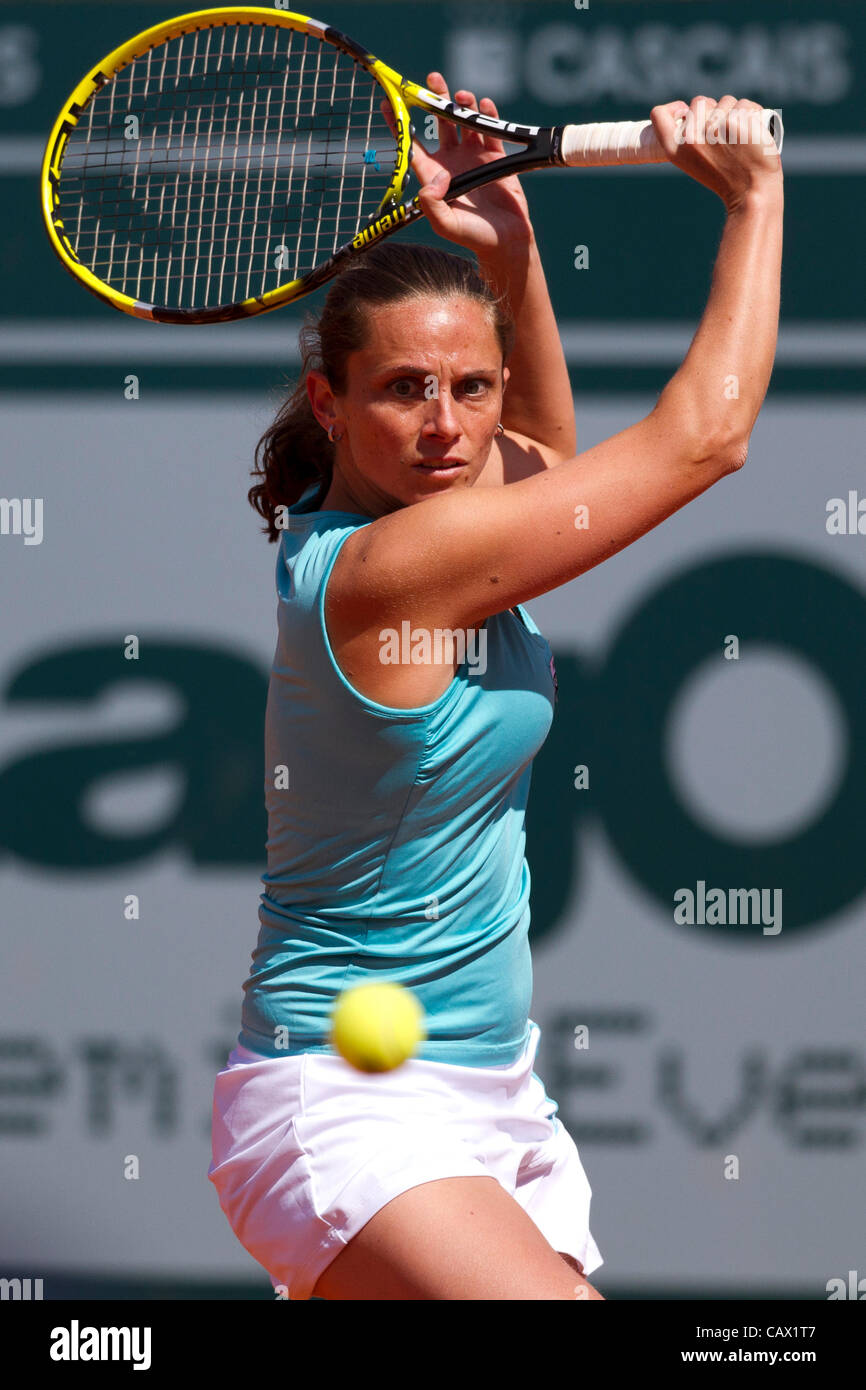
538, 404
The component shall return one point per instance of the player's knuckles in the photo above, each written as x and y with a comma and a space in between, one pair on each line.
668, 141
664, 124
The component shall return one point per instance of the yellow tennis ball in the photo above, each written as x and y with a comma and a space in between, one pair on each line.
376, 1027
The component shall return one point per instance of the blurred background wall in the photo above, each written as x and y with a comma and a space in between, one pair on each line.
707, 1043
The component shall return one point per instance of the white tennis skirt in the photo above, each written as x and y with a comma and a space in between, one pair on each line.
307, 1149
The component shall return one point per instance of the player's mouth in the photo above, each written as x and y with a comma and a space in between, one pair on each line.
440, 468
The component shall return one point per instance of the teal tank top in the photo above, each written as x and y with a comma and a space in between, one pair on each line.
396, 837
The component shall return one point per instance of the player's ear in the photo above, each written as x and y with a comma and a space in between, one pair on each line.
321, 397
506, 373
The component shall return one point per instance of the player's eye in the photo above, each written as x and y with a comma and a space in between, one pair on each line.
403, 386
475, 386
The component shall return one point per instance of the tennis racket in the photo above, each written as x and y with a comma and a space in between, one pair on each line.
227, 162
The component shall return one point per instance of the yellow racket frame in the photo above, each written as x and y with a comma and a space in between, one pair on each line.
396, 87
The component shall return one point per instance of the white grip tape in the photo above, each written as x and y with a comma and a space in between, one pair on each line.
611, 142
630, 142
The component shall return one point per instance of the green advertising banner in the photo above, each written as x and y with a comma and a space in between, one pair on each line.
628, 252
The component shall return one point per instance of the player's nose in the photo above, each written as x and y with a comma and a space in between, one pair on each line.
441, 413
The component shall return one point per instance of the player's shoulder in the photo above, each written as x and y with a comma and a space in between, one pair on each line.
522, 457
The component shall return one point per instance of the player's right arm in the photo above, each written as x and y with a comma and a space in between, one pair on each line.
469, 553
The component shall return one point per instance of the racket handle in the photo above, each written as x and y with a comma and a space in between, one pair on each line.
633, 142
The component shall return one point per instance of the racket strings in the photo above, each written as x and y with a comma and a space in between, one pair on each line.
223, 163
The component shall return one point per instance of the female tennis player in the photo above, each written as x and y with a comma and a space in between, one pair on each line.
419, 485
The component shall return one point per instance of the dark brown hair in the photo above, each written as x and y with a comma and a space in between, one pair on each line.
295, 451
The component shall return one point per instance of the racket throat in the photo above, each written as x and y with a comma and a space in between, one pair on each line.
541, 154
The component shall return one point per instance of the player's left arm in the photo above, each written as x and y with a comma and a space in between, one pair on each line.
493, 222
538, 401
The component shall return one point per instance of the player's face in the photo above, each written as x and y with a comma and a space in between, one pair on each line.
426, 389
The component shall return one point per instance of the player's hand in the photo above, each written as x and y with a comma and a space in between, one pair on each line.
723, 145
487, 219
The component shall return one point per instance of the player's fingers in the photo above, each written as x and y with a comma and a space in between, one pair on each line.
487, 107
701, 109
438, 213
447, 132
667, 125
749, 126
434, 188
679, 110
733, 122
467, 134
482, 138
716, 125
424, 166
721, 125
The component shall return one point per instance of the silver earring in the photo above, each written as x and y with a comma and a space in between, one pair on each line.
500, 428
333, 437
